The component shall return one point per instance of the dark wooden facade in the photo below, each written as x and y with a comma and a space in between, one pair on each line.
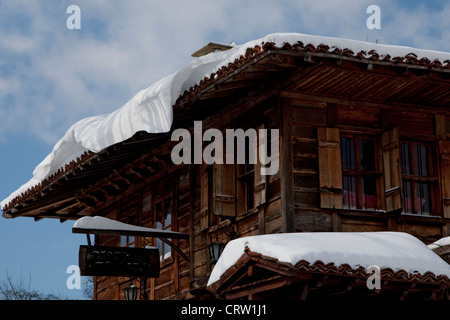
364, 146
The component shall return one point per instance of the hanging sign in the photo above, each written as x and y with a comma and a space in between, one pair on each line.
119, 261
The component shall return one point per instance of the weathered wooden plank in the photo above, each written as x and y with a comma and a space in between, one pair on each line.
362, 226
312, 221
363, 116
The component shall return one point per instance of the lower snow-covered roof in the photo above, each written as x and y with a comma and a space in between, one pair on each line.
394, 250
150, 109
440, 243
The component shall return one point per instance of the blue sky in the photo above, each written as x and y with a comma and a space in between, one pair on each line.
51, 77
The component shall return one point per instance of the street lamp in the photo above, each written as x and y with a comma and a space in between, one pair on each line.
131, 292
215, 250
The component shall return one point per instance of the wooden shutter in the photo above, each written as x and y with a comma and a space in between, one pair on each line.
445, 176
204, 200
259, 179
440, 126
330, 168
224, 190
390, 147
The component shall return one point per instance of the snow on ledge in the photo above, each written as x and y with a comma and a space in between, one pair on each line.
102, 223
394, 250
98, 224
150, 109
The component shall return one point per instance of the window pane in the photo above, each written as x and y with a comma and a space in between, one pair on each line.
404, 153
367, 154
131, 241
123, 241
167, 251
249, 183
407, 191
348, 153
159, 245
159, 215
421, 160
349, 184
167, 212
369, 193
423, 200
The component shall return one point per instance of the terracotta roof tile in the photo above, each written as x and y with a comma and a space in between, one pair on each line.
346, 269
72, 165
319, 267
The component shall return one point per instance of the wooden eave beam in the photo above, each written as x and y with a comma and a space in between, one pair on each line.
257, 287
132, 176
231, 281
144, 171
120, 181
61, 217
36, 207
222, 93
88, 201
277, 268
340, 100
247, 77
402, 82
223, 79
111, 189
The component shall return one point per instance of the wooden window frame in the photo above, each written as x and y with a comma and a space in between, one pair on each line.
157, 200
245, 179
358, 173
432, 179
133, 219
231, 183
128, 241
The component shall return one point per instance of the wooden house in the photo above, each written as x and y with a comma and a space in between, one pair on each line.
363, 147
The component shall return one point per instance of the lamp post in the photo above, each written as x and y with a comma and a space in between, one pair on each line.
131, 292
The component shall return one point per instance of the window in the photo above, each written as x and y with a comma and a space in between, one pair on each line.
163, 209
247, 185
239, 186
359, 172
352, 168
417, 177
128, 241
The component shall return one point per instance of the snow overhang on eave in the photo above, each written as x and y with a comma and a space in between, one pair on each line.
273, 54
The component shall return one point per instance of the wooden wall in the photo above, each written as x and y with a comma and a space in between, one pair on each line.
294, 200
307, 114
192, 188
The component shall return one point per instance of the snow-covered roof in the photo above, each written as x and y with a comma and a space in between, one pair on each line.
393, 250
440, 243
150, 109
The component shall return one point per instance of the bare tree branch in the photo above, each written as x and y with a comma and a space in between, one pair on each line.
19, 288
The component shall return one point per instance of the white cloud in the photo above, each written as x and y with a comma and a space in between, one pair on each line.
50, 76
